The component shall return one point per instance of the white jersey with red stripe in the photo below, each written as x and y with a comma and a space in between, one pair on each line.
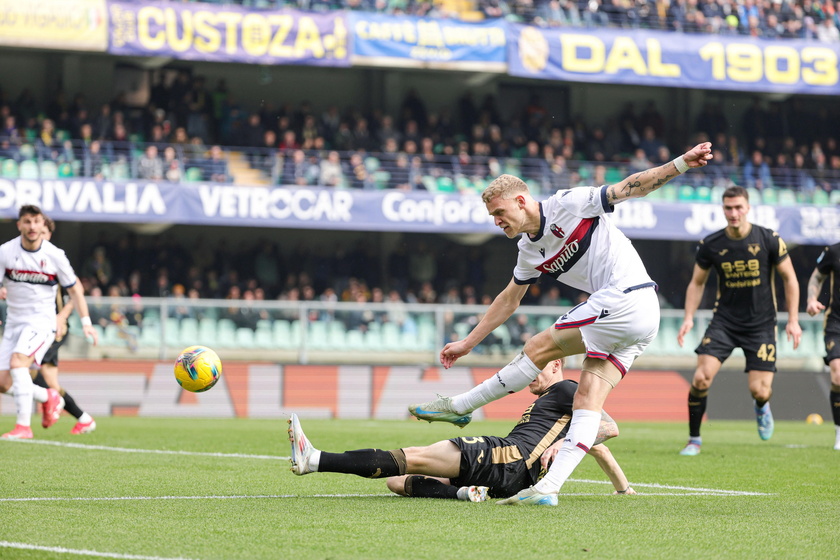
579, 245
31, 279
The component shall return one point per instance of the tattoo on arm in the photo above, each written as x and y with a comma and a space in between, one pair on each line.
814, 285
605, 431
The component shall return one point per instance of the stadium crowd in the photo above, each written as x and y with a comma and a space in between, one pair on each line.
776, 144
789, 19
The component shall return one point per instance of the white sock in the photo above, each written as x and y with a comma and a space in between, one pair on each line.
314, 460
22, 389
39, 393
512, 378
85, 418
581, 436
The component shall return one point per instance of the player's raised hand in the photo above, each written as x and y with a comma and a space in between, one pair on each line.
814, 307
452, 351
687, 325
794, 332
699, 155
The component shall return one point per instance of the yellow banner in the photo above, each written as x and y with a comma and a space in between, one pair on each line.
79, 25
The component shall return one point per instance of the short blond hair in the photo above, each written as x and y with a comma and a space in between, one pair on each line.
505, 186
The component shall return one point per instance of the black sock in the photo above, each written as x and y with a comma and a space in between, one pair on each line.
760, 404
39, 380
426, 487
70, 405
369, 463
69, 402
835, 406
696, 410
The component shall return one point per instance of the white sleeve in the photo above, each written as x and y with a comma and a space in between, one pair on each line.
585, 202
524, 274
66, 274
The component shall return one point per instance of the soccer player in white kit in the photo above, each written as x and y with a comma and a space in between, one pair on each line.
568, 236
32, 269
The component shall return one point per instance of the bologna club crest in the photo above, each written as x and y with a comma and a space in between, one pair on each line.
557, 231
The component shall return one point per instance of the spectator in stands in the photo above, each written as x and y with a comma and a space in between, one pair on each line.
150, 166
216, 168
757, 172
173, 170
331, 173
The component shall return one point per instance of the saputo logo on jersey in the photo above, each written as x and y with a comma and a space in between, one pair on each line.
574, 248
31, 277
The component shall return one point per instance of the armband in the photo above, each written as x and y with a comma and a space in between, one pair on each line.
680, 164
86, 322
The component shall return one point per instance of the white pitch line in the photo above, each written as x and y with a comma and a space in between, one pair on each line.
686, 488
82, 552
83, 446
153, 451
240, 497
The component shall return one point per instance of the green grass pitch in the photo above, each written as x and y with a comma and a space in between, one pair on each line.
221, 489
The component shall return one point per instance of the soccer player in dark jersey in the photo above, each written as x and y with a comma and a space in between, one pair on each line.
473, 468
828, 266
745, 257
47, 375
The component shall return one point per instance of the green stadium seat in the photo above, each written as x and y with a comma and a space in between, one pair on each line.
381, 178
372, 164
48, 170
225, 332
120, 171
192, 175
317, 336
282, 333
670, 193
787, 197
390, 337
613, 175
355, 341
702, 194
28, 169
9, 169
188, 334
445, 185
337, 335
770, 195
264, 336
64, 170
150, 336
685, 193
834, 197
755, 196
430, 183
172, 332
244, 338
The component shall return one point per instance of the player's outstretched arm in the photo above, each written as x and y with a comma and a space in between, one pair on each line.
693, 295
497, 313
611, 468
815, 283
77, 294
645, 182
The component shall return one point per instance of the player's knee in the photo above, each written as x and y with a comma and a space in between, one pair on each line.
761, 393
396, 484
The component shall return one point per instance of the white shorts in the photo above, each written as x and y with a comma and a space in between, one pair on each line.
24, 339
616, 325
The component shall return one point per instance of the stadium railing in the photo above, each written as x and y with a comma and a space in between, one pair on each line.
441, 174
370, 333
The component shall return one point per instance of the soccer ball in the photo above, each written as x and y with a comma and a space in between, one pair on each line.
814, 419
197, 369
